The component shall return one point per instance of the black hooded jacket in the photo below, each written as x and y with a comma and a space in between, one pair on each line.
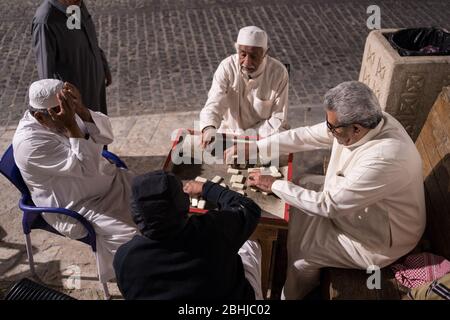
198, 262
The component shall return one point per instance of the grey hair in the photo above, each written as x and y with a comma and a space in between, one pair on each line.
354, 103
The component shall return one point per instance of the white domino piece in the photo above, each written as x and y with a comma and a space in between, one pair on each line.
265, 171
194, 202
237, 185
265, 193
237, 178
250, 170
216, 179
201, 204
253, 189
274, 172
233, 171
224, 185
273, 169
241, 192
200, 179
276, 175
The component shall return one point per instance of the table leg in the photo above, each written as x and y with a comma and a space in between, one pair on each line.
266, 235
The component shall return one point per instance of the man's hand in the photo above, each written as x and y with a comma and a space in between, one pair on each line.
249, 149
262, 182
80, 109
208, 136
64, 116
193, 188
230, 153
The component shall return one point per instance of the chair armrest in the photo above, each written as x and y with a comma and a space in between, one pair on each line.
75, 215
114, 159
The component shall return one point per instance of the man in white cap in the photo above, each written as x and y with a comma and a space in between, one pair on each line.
249, 91
57, 147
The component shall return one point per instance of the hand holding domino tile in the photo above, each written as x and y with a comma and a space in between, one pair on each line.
262, 182
193, 188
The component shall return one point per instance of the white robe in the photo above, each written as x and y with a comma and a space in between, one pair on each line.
371, 210
236, 103
71, 173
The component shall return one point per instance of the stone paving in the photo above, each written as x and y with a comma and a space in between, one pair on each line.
163, 54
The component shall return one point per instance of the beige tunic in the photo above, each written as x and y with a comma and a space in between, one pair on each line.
372, 206
236, 103
71, 173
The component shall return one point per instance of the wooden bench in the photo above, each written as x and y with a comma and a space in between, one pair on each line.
433, 144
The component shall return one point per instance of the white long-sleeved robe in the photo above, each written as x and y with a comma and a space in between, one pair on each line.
371, 210
236, 103
71, 173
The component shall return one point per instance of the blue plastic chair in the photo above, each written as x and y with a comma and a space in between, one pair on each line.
32, 218
114, 159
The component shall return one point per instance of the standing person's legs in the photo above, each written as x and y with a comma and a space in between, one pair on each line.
250, 253
103, 108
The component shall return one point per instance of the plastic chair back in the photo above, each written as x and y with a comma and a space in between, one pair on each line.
10, 170
27, 289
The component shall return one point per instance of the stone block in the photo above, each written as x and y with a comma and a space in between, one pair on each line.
405, 86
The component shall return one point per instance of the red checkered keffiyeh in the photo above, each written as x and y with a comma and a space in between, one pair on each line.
418, 269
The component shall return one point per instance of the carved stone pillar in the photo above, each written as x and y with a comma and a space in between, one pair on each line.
405, 86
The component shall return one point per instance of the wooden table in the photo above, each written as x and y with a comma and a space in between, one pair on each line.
267, 235
275, 212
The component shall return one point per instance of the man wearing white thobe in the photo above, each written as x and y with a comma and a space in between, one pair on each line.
371, 210
58, 149
249, 91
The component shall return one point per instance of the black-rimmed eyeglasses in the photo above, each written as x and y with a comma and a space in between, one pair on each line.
333, 128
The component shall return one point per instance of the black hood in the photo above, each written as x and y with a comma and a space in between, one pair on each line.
159, 206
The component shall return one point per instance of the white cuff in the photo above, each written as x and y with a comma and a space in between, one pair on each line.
278, 185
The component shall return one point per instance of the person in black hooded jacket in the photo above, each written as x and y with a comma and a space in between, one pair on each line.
201, 257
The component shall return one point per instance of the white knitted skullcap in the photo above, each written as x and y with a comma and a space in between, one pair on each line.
252, 36
42, 93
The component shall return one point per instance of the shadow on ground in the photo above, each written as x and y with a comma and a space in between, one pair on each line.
144, 164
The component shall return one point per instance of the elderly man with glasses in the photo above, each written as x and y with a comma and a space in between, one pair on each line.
371, 208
